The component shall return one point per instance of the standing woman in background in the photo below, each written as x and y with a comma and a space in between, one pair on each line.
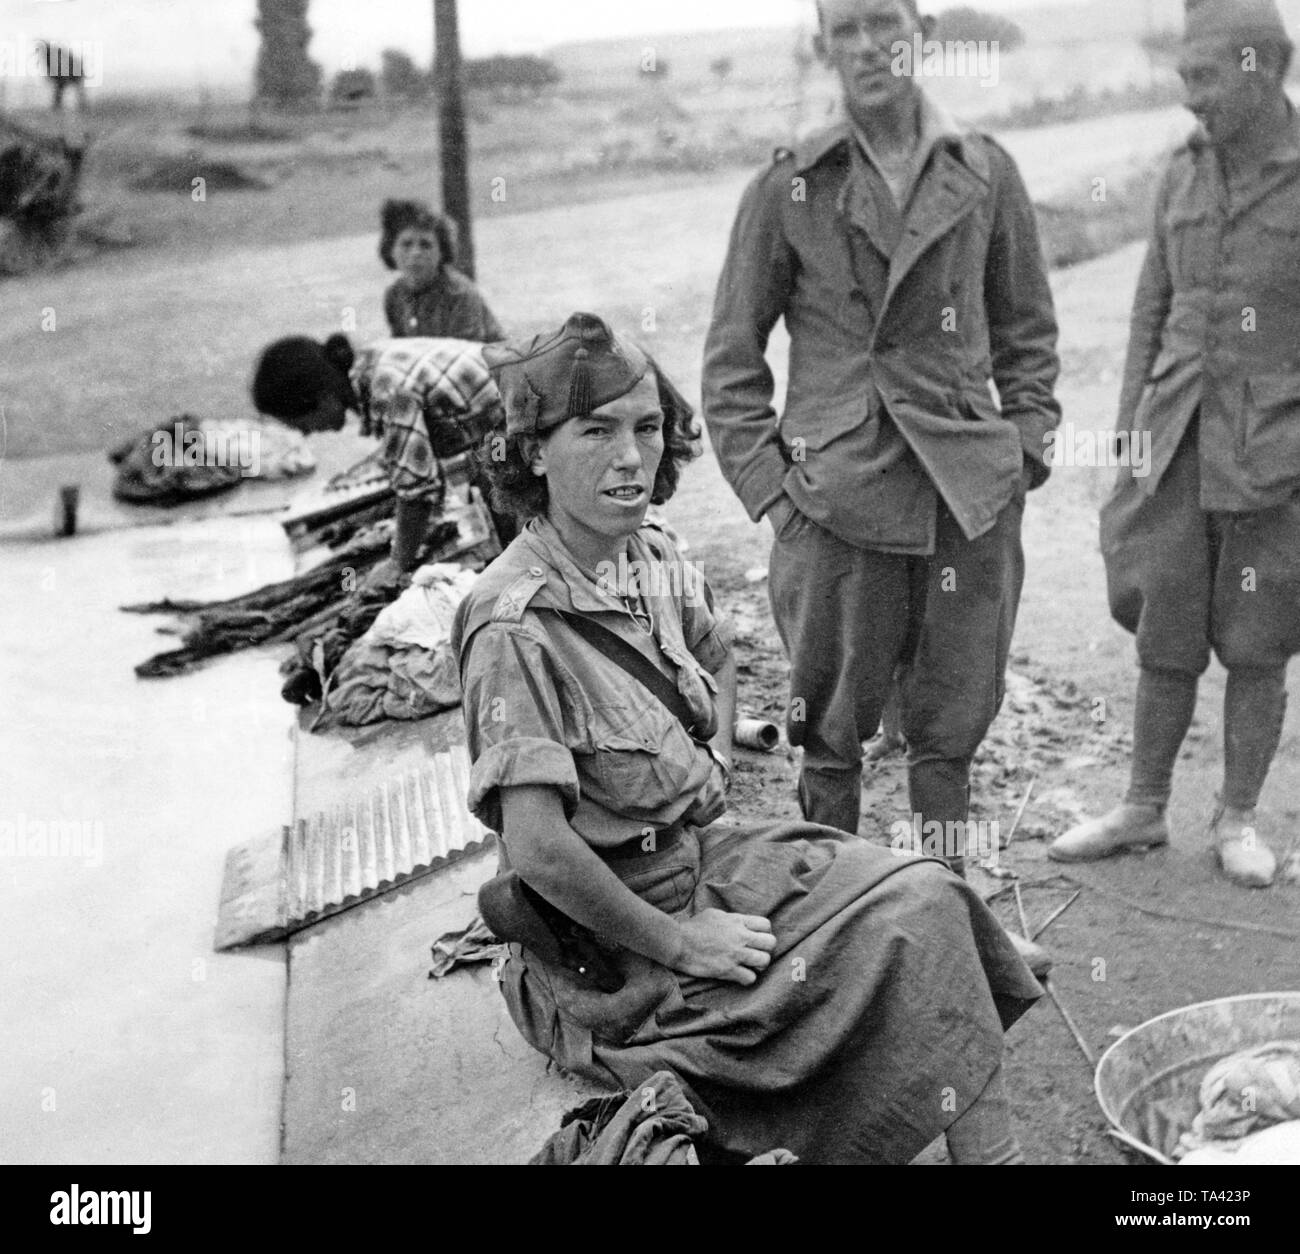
428, 401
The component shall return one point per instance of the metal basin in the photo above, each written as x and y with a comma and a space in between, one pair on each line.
1159, 1065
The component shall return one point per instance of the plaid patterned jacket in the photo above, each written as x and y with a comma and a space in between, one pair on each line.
428, 400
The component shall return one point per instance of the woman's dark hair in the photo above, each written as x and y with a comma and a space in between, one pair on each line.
397, 216
516, 490
294, 373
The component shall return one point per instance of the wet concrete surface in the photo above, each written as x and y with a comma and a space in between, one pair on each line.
388, 1066
385, 1065
125, 1038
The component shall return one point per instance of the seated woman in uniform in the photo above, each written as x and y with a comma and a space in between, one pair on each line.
811, 990
428, 400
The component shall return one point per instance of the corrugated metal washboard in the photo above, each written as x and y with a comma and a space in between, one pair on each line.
405, 828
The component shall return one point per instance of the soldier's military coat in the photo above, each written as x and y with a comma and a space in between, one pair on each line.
899, 323
1202, 545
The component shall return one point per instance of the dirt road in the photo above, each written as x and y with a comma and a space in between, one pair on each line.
93, 353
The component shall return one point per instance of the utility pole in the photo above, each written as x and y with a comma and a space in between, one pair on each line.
452, 141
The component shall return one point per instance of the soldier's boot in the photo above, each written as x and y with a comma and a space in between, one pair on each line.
1126, 827
1244, 858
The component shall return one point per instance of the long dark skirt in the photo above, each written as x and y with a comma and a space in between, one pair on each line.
878, 1023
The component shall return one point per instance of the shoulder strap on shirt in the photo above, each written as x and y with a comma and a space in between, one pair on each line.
632, 660
509, 607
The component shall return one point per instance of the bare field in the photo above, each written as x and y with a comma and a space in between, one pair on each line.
174, 324
607, 129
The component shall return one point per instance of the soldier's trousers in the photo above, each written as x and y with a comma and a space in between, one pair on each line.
1187, 582
848, 617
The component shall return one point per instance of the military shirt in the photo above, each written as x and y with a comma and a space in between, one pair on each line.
1216, 325
543, 707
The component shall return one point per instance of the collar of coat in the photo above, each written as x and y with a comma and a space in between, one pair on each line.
956, 137
1285, 149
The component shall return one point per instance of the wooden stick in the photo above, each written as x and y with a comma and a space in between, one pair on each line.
1240, 925
1133, 1143
1056, 914
1020, 910
1000, 892
1020, 813
1069, 1023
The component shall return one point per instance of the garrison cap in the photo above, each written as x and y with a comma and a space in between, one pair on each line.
1243, 21
566, 374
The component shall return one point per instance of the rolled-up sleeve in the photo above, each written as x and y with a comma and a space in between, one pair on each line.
519, 720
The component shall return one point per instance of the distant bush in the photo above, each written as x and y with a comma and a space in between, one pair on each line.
401, 76
518, 73
353, 87
722, 68
249, 132
966, 22
1080, 103
177, 174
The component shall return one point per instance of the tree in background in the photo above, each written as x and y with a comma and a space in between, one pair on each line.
39, 178
286, 76
402, 78
965, 22
721, 69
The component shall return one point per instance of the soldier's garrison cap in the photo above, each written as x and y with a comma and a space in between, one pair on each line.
565, 374
1239, 21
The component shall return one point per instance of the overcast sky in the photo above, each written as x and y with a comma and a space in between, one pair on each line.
162, 42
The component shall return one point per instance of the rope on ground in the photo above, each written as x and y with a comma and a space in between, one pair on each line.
1239, 925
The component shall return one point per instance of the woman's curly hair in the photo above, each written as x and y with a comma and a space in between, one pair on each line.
517, 491
395, 216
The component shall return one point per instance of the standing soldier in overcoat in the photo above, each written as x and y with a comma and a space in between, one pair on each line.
902, 251
1203, 553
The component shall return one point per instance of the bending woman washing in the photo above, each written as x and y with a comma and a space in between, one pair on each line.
426, 400
811, 990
